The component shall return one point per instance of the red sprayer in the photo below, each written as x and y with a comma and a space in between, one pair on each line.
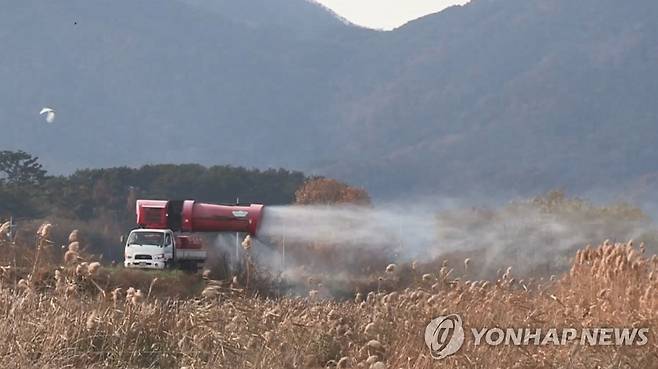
192, 216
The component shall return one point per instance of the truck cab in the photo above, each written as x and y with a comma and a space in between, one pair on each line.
149, 249
163, 248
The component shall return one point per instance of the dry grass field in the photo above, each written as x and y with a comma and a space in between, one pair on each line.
63, 310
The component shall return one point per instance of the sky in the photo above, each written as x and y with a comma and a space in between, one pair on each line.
386, 14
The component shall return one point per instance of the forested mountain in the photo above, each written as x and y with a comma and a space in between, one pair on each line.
510, 95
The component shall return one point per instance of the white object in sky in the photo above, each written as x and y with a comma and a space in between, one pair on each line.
386, 14
50, 114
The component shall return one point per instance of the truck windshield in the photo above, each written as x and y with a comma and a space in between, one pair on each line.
146, 238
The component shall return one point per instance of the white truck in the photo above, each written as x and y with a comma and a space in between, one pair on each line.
161, 248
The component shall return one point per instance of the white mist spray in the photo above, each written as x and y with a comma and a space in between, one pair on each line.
522, 236
350, 226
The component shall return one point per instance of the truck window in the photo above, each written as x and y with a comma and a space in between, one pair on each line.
168, 240
146, 238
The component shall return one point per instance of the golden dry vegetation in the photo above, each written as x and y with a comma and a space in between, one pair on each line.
68, 311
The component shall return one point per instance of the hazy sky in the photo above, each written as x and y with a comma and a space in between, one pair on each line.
386, 14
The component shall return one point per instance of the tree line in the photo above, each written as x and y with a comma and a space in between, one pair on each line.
28, 191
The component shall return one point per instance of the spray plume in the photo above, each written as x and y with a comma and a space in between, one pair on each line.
523, 234
347, 248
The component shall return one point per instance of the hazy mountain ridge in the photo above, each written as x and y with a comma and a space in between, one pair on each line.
170, 75
528, 96
511, 94
304, 16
